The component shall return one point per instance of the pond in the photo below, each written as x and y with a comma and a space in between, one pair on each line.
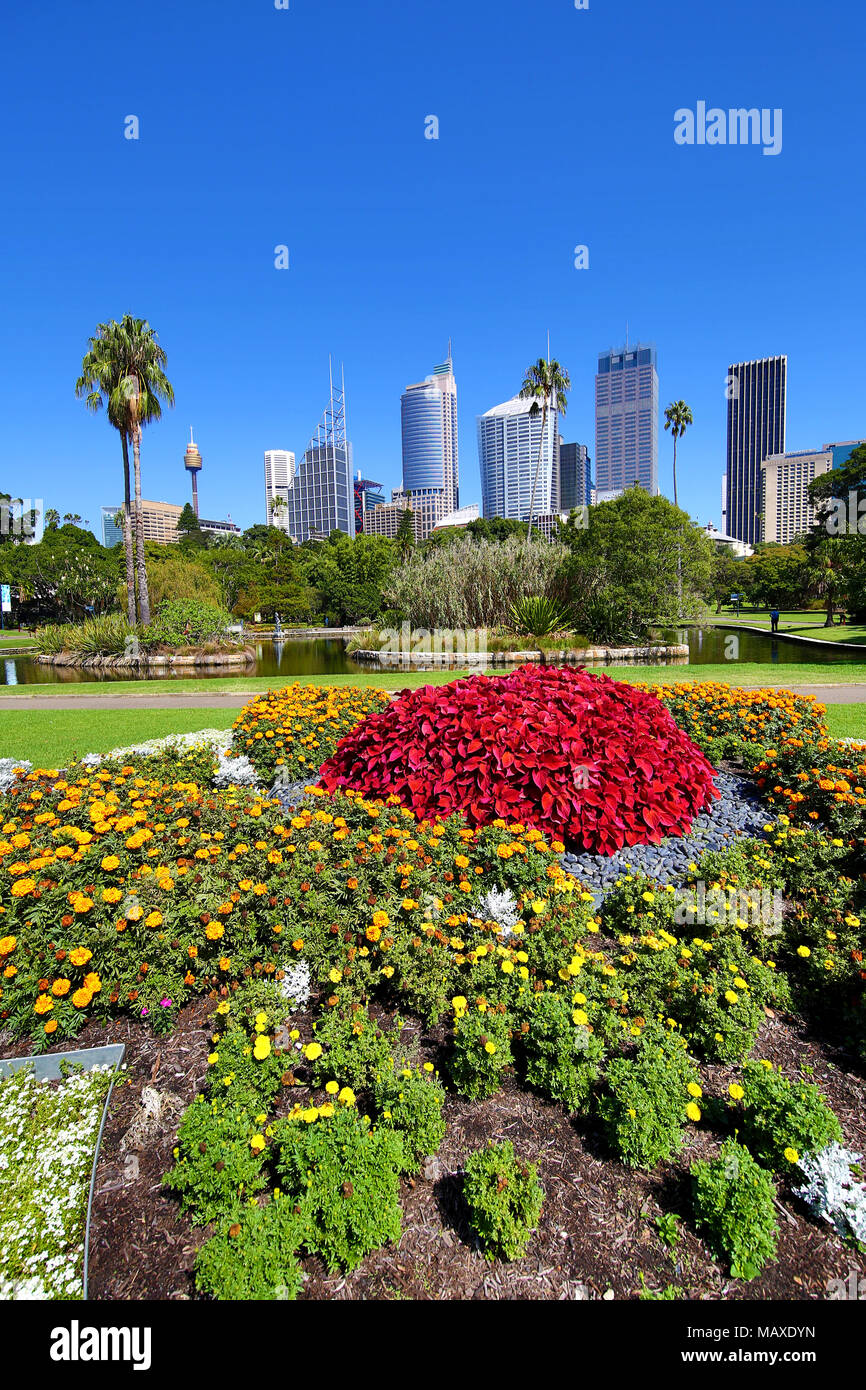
326, 656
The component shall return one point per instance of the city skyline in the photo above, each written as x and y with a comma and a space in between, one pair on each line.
694, 247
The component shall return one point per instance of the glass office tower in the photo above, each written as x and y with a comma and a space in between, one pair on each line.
756, 431
626, 421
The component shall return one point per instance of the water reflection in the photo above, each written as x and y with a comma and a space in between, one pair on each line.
292, 658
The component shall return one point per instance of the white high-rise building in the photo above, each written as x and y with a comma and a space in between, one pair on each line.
786, 508
508, 441
428, 412
279, 475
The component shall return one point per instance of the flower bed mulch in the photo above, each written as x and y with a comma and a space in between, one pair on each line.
596, 1234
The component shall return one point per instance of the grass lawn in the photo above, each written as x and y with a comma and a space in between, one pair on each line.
803, 623
50, 738
16, 639
732, 673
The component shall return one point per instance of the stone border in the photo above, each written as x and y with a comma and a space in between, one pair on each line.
571, 657
246, 657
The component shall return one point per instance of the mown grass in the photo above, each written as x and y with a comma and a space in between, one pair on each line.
51, 738
757, 673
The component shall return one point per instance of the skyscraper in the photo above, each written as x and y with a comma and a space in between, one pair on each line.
508, 440
279, 472
428, 412
321, 496
575, 476
786, 509
626, 421
756, 430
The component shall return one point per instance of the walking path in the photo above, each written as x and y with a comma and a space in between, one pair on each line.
840, 694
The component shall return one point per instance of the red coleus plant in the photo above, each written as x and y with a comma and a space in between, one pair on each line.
580, 757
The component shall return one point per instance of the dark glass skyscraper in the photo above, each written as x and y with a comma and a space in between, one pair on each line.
756, 431
575, 477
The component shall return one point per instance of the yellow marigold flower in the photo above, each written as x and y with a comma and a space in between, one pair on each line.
262, 1048
110, 862
731, 996
380, 919
803, 951
792, 1155
735, 1092
347, 1096
332, 1087
694, 1090
213, 1058
153, 919
257, 1143
312, 1051
579, 1017
335, 976
507, 967
693, 1111
490, 1047
648, 897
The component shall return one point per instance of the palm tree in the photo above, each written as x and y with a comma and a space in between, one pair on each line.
124, 368
677, 417
547, 382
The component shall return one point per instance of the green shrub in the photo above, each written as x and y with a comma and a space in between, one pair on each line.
538, 616
237, 1071
482, 1051
783, 1120
186, 622
562, 1056
504, 1198
410, 1103
356, 1049
734, 1209
215, 1167
253, 1255
345, 1177
644, 1105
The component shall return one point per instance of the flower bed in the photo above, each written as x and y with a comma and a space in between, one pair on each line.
572, 754
722, 718
48, 1132
288, 733
316, 932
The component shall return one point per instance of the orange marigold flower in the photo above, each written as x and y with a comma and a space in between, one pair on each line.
81, 998
80, 955
61, 987
43, 1004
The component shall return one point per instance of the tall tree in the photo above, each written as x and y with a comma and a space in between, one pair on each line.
546, 382
677, 417
123, 369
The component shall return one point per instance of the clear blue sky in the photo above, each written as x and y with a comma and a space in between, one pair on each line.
306, 127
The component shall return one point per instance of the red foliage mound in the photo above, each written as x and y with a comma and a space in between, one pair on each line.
578, 756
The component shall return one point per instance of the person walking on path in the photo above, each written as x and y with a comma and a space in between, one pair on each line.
774, 620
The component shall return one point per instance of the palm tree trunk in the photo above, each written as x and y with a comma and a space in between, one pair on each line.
537, 471
676, 503
127, 534
141, 571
